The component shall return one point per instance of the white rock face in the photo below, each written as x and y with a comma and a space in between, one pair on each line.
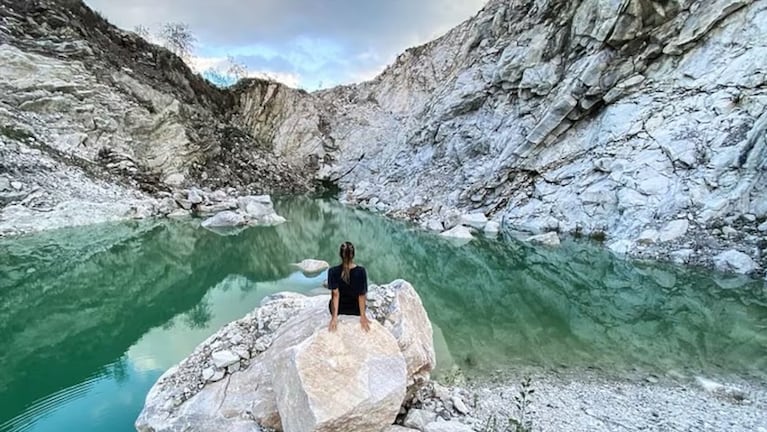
312, 266
587, 136
734, 261
346, 381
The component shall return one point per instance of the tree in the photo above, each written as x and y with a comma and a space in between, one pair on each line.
236, 69
178, 38
142, 31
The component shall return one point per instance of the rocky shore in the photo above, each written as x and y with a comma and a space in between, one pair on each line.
254, 374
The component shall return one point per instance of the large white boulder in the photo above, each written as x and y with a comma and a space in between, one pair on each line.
344, 381
225, 219
400, 309
458, 232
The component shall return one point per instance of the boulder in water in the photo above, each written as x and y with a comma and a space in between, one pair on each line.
225, 219
312, 266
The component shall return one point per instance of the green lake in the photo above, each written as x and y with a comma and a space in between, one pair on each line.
91, 317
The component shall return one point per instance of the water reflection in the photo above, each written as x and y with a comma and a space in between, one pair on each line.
92, 316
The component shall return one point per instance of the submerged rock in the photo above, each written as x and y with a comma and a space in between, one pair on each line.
548, 239
225, 219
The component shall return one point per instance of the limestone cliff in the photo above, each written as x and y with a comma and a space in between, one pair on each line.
642, 121
94, 119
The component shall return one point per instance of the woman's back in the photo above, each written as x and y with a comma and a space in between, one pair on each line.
349, 292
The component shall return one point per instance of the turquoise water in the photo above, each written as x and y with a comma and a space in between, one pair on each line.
91, 317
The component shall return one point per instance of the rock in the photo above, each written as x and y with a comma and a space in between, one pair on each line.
647, 237
459, 405
492, 228
225, 219
681, 256
312, 266
621, 247
474, 220
195, 196
223, 359
407, 320
734, 261
458, 232
434, 225
256, 206
5, 184
17, 185
312, 364
762, 227
396, 428
729, 231
548, 239
418, 418
179, 213
175, 180
447, 426
709, 385
674, 230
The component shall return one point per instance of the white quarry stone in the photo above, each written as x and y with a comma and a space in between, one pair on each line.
223, 359
418, 418
734, 261
674, 230
474, 220
459, 232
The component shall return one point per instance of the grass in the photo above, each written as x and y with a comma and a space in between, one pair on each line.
523, 407
15, 134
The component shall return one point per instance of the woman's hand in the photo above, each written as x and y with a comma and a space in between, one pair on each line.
365, 323
333, 324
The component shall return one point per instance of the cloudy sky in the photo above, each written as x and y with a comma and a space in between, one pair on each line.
304, 43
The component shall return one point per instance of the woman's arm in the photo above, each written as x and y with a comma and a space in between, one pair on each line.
333, 310
363, 317
362, 301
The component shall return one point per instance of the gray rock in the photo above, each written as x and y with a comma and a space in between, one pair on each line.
459, 405
17, 185
447, 426
674, 230
225, 219
474, 220
195, 196
459, 232
763, 227
418, 418
223, 359
734, 261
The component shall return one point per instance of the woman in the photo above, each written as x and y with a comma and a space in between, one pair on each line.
348, 284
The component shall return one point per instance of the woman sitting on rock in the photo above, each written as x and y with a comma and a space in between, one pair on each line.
348, 284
